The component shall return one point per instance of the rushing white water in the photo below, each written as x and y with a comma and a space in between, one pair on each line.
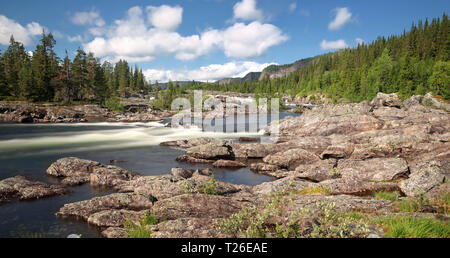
134, 135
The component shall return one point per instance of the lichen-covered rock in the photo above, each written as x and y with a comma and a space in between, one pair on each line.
337, 152
181, 172
388, 100
74, 171
430, 100
343, 203
191, 160
115, 232
187, 228
352, 186
318, 171
379, 169
209, 152
185, 144
119, 201
160, 187
110, 176
284, 184
263, 167
228, 164
328, 120
291, 159
167, 186
20, 188
196, 206
115, 218
438, 192
423, 178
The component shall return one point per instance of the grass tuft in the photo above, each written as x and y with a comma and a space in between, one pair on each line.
413, 227
317, 190
389, 196
141, 230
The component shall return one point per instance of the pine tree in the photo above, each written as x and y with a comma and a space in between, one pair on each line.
3, 82
13, 58
79, 75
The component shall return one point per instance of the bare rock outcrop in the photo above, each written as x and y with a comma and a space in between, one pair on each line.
75, 171
119, 201
291, 159
20, 188
196, 206
378, 170
115, 218
423, 178
228, 164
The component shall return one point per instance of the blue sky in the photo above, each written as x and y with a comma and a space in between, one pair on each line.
209, 39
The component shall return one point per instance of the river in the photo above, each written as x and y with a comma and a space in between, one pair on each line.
28, 150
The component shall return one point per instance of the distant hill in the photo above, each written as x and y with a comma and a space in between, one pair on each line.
273, 71
250, 77
280, 71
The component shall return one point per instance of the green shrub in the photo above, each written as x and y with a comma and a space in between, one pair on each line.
210, 188
113, 104
271, 220
332, 224
414, 227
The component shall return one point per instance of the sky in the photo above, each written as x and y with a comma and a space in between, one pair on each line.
207, 40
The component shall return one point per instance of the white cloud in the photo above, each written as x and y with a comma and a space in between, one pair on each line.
247, 11
343, 16
133, 39
360, 41
165, 17
210, 73
338, 44
57, 34
22, 34
293, 7
97, 31
88, 18
77, 38
252, 40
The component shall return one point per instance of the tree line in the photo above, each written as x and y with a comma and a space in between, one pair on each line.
41, 76
415, 62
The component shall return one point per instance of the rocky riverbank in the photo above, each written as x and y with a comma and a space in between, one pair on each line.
22, 112
349, 170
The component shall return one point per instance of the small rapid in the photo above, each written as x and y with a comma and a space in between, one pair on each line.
97, 137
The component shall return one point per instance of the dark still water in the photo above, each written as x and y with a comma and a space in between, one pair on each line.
29, 150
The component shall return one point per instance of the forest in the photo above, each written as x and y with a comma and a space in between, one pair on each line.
41, 76
413, 63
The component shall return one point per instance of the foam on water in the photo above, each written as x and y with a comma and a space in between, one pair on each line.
136, 135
